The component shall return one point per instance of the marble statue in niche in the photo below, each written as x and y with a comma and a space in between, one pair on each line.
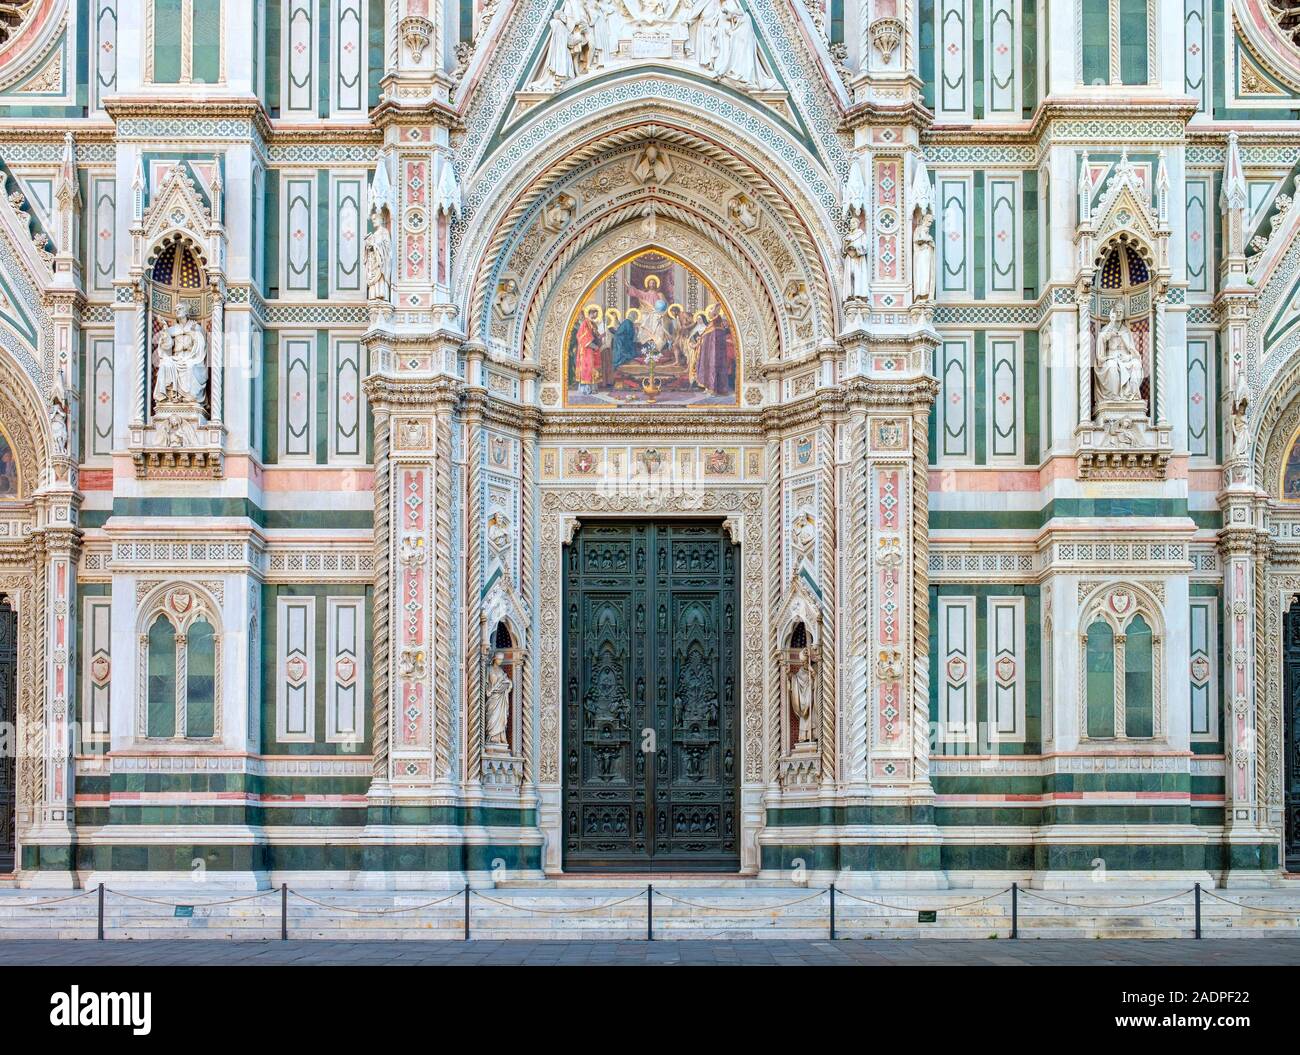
181, 373
1120, 372
498, 691
801, 697
378, 257
1239, 433
59, 418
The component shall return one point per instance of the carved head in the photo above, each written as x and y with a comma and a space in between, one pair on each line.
182, 312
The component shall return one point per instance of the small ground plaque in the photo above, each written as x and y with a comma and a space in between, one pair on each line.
184, 911
927, 915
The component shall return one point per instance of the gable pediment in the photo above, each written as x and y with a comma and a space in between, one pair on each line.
771, 66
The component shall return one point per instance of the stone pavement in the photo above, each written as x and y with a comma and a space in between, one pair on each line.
1264, 951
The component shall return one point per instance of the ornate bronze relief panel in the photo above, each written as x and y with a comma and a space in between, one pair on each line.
651, 688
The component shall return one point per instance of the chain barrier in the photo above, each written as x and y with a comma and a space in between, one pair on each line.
913, 908
193, 904
744, 911
376, 911
1140, 904
560, 911
649, 895
1251, 908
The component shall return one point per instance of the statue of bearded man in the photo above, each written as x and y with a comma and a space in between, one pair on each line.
182, 371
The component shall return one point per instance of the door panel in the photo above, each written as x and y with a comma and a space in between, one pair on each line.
8, 720
1291, 725
650, 701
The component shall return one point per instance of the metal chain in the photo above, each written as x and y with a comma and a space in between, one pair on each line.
1252, 908
560, 911
377, 911
914, 908
742, 911
1140, 904
195, 904
5, 902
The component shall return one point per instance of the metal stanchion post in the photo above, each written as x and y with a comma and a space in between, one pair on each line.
284, 911
832, 912
1015, 920
101, 911
467, 912
649, 912
1198, 910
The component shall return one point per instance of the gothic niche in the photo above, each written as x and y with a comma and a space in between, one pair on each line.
1123, 280
181, 327
502, 761
1122, 328
799, 717
178, 310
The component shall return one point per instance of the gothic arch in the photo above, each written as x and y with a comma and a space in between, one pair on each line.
502, 60
1119, 604
1274, 427
184, 605
23, 577
796, 205
25, 421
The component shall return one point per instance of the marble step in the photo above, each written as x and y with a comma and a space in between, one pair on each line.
679, 912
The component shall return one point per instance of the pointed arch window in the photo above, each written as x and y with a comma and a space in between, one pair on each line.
180, 664
1117, 42
1120, 657
184, 42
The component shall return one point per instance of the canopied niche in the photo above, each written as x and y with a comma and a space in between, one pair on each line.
502, 699
800, 674
180, 309
178, 254
1122, 314
1122, 242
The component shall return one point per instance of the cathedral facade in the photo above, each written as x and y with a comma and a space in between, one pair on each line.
443, 440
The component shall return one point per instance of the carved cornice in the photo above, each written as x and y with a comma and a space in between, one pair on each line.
1179, 108
392, 392
613, 424
807, 412
874, 393
875, 112
512, 415
427, 111
181, 106
26, 132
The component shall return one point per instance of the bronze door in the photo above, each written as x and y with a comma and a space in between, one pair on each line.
8, 721
1291, 725
651, 689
